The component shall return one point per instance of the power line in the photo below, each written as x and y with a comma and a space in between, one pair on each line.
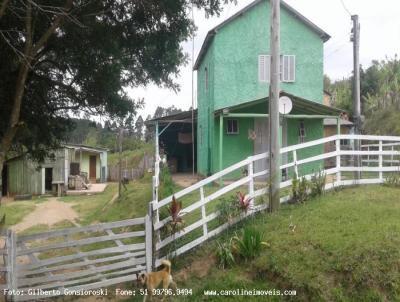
345, 8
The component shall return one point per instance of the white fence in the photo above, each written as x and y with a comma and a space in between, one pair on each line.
198, 230
105, 254
52, 263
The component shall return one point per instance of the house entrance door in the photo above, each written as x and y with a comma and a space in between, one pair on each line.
261, 144
92, 167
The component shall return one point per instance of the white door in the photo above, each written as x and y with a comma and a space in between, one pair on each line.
261, 142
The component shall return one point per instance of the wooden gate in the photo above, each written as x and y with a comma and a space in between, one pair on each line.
59, 262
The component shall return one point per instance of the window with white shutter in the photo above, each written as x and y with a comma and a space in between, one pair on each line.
264, 68
288, 68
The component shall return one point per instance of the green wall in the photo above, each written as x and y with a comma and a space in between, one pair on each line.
232, 63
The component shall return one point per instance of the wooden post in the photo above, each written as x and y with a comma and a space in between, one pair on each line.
356, 89
203, 212
380, 161
274, 148
153, 251
149, 241
11, 245
120, 162
250, 173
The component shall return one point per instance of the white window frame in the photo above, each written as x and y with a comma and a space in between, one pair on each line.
227, 126
287, 68
264, 68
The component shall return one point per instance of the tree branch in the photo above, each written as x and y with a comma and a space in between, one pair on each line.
3, 7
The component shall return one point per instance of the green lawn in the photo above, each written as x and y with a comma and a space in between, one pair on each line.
130, 158
98, 208
345, 247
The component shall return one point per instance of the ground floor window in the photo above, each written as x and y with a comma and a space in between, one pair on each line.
232, 127
302, 132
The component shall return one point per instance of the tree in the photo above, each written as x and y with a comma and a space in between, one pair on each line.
63, 56
139, 126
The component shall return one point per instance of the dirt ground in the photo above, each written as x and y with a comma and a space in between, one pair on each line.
49, 212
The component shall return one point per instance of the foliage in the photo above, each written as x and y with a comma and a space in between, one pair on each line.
249, 244
317, 184
64, 56
244, 202
227, 209
299, 190
176, 224
393, 180
224, 254
167, 186
343, 250
380, 96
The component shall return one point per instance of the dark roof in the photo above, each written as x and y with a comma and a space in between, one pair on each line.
299, 103
210, 35
181, 117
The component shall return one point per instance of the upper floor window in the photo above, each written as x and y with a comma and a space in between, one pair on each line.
232, 127
287, 68
206, 79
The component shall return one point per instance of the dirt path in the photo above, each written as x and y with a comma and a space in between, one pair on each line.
49, 212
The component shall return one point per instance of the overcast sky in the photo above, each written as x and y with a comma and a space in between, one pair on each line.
380, 37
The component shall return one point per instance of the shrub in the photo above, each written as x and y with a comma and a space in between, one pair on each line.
227, 210
317, 185
167, 186
225, 256
299, 190
249, 244
393, 180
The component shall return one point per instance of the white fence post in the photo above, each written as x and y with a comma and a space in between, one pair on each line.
250, 173
380, 161
296, 168
11, 245
203, 212
338, 163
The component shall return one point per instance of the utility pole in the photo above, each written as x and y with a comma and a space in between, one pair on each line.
356, 89
121, 131
274, 149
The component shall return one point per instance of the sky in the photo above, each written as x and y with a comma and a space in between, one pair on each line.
380, 38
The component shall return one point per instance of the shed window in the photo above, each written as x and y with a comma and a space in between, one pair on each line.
232, 127
302, 132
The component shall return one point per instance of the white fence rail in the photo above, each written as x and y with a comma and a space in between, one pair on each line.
198, 229
81, 258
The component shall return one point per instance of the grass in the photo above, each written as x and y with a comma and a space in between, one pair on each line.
344, 248
16, 211
130, 158
98, 208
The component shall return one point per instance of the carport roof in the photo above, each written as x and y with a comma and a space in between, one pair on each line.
181, 117
299, 103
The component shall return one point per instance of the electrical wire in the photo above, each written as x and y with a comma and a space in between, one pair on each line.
345, 7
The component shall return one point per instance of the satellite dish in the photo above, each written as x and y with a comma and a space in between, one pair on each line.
285, 105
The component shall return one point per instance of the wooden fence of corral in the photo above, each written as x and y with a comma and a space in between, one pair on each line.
131, 173
57, 262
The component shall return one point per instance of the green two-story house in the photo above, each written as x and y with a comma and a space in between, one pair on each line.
233, 87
